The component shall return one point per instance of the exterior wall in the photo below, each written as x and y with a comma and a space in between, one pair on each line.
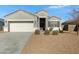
62, 27
42, 14
25, 16
18, 16
71, 28
55, 19
6, 27
54, 23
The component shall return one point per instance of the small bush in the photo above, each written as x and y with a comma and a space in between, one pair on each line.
37, 31
55, 32
47, 32
50, 29
61, 31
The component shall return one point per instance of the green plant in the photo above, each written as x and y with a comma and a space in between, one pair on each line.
61, 31
55, 32
37, 31
47, 32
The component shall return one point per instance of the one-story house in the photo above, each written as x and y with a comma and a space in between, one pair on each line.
68, 25
1, 24
71, 25
24, 21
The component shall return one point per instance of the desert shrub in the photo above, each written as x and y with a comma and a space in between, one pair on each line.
61, 31
50, 29
37, 31
47, 32
55, 32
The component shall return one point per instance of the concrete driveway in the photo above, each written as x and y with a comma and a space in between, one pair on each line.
13, 42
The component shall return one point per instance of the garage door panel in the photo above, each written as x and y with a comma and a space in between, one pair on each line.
21, 27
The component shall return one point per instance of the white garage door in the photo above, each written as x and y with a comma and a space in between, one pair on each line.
21, 27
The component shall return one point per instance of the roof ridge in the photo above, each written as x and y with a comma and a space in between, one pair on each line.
41, 10
55, 17
19, 10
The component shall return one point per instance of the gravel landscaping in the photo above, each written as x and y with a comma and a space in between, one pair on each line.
11, 43
61, 43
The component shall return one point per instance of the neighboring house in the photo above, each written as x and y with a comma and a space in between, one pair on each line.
71, 25
1, 24
24, 21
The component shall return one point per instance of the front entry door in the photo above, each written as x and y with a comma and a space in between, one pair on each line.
42, 23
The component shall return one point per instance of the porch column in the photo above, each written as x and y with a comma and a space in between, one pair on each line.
38, 23
60, 25
46, 23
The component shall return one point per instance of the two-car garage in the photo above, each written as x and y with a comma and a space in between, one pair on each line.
25, 26
20, 21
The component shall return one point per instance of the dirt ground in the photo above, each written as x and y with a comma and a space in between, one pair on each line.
51, 44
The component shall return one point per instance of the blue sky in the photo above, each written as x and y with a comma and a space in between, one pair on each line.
61, 11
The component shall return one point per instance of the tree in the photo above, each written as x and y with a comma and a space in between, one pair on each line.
75, 16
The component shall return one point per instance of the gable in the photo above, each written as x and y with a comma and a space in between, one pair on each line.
54, 18
20, 14
42, 13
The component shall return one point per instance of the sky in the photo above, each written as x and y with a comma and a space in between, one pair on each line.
61, 11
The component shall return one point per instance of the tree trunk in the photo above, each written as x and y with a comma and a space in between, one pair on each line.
77, 29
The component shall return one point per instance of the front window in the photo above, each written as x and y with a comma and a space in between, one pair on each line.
53, 24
